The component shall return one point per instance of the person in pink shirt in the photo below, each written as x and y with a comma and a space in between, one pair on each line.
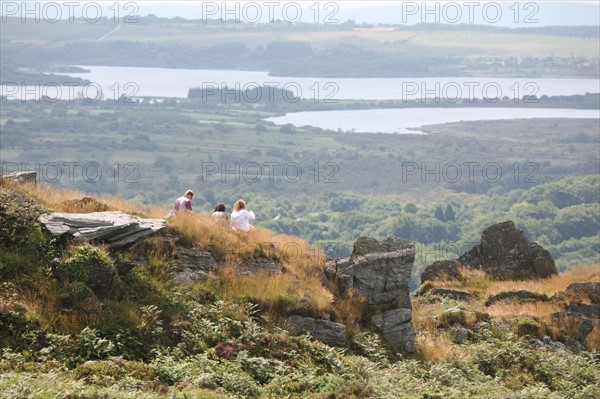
184, 202
240, 217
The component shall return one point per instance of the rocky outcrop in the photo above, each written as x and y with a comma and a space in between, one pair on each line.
519, 296
396, 328
21, 177
117, 230
380, 271
105, 282
192, 264
504, 252
578, 315
326, 331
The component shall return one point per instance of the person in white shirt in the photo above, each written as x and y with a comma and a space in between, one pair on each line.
240, 217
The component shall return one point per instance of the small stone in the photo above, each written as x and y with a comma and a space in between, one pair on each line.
326, 331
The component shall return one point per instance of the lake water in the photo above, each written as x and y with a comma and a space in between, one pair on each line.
399, 120
112, 82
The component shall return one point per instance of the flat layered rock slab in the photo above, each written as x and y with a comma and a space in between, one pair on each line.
116, 229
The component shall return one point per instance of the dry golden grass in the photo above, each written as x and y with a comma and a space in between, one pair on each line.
548, 286
42, 303
425, 314
428, 316
509, 308
437, 348
301, 265
63, 200
161, 265
592, 341
566, 325
475, 281
273, 288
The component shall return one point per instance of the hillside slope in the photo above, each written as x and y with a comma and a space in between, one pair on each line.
225, 335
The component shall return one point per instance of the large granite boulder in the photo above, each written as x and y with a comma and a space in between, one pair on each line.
504, 252
380, 271
117, 230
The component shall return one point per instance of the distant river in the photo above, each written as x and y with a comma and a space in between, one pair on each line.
113, 82
399, 120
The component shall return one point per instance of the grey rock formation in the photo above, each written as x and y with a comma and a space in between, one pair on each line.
504, 252
380, 271
588, 310
331, 333
520, 296
459, 295
116, 229
105, 282
192, 264
21, 177
397, 328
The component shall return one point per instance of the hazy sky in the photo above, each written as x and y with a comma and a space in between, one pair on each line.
542, 13
409, 12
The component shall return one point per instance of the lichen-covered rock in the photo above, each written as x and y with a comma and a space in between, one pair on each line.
504, 252
326, 331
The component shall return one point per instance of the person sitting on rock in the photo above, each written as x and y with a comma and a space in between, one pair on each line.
240, 217
184, 203
220, 213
